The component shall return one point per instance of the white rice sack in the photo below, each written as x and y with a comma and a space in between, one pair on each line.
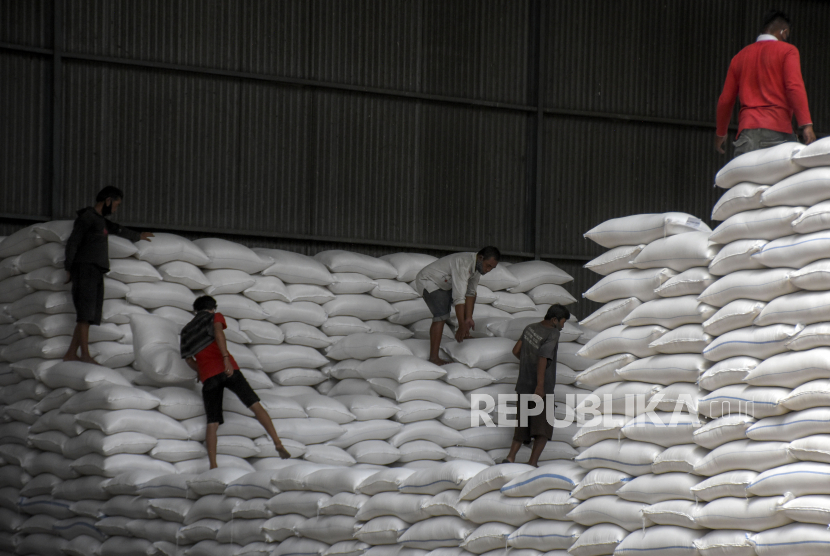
15, 288
722, 430
791, 369
63, 324
129, 271
165, 248
617, 397
445, 395
21, 241
689, 338
267, 288
393, 291
535, 273
794, 251
278, 357
796, 539
653, 489
766, 223
692, 281
814, 219
493, 479
409, 312
813, 155
618, 258
813, 336
662, 539
343, 326
489, 536
744, 455
364, 307
753, 514
610, 314
801, 478
736, 256
387, 480
324, 407
795, 308
226, 254
308, 292
366, 408
228, 281
756, 341
494, 507
261, 332
513, 302
376, 452
334, 480
550, 294
417, 410
366, 346
560, 475
808, 509
451, 475
161, 294
663, 369
132, 420
54, 280
643, 228
740, 198
812, 394
791, 426
96, 442
545, 535
768, 166
806, 188
79, 376
57, 230
740, 313
279, 312
679, 253
679, 459
599, 539
405, 506
344, 261
465, 378
112, 397
670, 312
662, 428
344, 503
627, 283
628, 456
292, 546
757, 401
381, 530
408, 265
760, 285
432, 431
186, 274
815, 276
500, 278
240, 307
351, 283
302, 334
481, 353
609, 509
294, 268
50, 254
728, 484
436, 532
608, 427
120, 248
179, 403
401, 368
623, 339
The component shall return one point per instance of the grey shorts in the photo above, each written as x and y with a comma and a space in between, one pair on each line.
755, 139
439, 303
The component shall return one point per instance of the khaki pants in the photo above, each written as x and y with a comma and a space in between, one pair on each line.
754, 139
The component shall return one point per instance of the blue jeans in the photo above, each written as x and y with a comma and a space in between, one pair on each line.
754, 139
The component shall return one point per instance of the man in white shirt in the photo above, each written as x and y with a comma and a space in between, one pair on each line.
451, 282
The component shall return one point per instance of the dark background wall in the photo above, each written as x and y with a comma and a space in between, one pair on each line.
376, 126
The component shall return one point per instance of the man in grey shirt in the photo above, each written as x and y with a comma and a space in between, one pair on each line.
536, 350
449, 282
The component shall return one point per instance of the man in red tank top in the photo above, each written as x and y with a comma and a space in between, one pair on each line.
766, 77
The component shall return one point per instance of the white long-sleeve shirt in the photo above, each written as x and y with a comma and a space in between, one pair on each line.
456, 272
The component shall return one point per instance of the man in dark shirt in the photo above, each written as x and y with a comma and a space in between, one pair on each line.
87, 260
536, 350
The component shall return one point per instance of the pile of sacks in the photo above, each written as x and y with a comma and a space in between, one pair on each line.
637, 435
109, 459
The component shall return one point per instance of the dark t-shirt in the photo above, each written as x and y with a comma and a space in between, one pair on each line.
537, 341
88, 242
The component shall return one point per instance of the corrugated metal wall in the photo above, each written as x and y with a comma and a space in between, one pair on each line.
378, 125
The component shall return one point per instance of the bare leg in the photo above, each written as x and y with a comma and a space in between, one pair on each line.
514, 449
72, 350
83, 338
436, 332
210, 443
265, 420
538, 445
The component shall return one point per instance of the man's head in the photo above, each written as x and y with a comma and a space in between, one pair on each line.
558, 315
109, 198
204, 303
487, 259
777, 24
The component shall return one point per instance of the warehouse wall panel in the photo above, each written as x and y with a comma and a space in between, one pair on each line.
27, 22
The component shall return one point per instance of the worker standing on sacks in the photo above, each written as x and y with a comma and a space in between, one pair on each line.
536, 351
205, 350
87, 260
449, 282
766, 77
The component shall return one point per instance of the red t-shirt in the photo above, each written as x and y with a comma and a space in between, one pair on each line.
210, 359
766, 77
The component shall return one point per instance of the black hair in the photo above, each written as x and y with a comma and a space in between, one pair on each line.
557, 312
109, 192
490, 252
773, 16
204, 303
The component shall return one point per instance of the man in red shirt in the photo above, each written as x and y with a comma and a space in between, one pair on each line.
766, 77
205, 335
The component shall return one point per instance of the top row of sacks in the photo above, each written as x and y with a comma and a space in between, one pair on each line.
291, 268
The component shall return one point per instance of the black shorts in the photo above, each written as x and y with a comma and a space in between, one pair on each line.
213, 391
537, 425
439, 303
88, 292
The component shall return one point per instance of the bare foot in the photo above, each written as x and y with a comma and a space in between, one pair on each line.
282, 452
439, 362
71, 357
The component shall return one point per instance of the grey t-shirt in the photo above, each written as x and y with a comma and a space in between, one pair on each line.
537, 341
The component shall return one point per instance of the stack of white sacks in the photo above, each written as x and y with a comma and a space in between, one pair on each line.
109, 459
640, 450
769, 387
